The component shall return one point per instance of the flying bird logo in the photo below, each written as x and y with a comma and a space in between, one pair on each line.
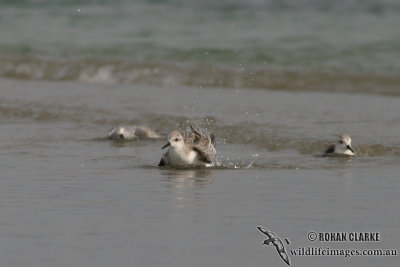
274, 240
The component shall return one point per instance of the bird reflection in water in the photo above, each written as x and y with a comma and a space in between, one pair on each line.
186, 184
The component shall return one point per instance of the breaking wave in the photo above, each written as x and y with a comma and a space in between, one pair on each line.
121, 72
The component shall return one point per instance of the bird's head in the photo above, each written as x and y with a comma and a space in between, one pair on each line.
343, 144
175, 140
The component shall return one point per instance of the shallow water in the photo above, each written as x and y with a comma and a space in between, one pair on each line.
69, 197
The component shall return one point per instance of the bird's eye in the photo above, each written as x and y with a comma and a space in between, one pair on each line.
340, 141
176, 139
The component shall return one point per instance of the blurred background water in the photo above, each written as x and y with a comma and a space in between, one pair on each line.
297, 45
276, 81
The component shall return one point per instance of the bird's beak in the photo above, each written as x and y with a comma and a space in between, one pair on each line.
166, 145
349, 148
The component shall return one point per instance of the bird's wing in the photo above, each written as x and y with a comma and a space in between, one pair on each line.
265, 231
195, 131
201, 144
162, 163
202, 155
191, 138
164, 160
285, 257
197, 137
330, 149
279, 245
280, 248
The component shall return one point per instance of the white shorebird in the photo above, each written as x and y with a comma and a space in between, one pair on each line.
341, 147
127, 133
194, 148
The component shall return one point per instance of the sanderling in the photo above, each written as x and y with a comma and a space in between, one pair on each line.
195, 148
128, 133
341, 147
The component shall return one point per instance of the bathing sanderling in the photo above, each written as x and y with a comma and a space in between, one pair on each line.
195, 148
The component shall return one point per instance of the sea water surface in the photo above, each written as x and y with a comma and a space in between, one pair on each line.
275, 81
